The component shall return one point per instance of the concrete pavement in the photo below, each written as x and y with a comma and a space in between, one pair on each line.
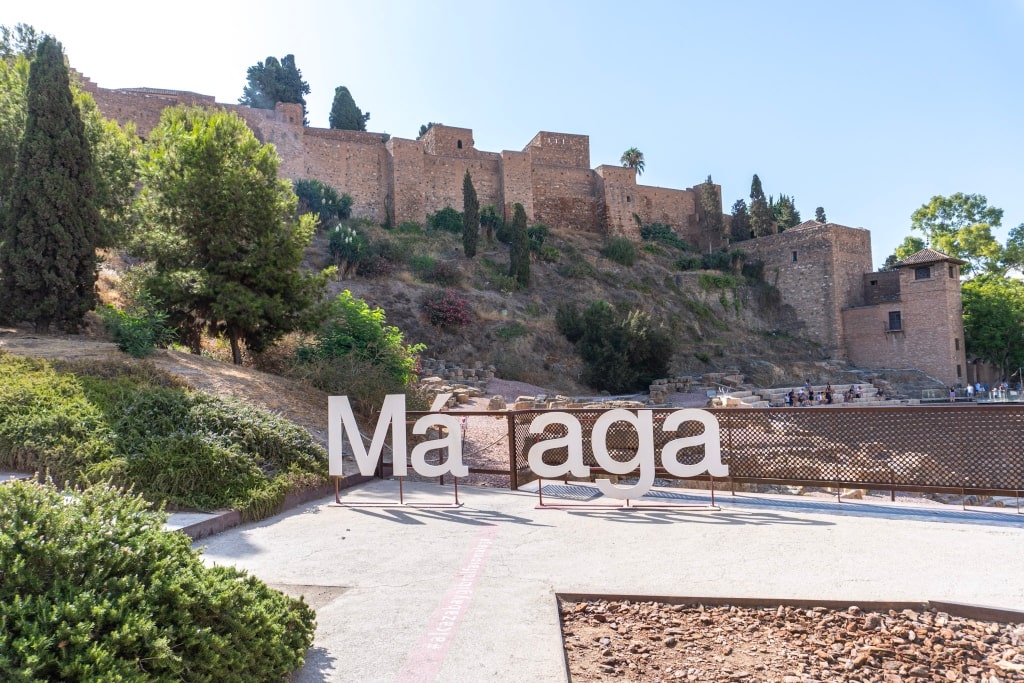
468, 594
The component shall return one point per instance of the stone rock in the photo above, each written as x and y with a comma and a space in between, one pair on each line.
497, 403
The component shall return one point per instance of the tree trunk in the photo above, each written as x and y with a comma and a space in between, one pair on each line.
236, 350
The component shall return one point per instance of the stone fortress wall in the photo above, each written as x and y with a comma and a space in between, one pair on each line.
823, 271
398, 180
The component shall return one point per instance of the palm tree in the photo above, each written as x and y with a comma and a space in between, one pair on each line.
633, 158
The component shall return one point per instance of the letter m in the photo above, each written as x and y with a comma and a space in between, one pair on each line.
341, 423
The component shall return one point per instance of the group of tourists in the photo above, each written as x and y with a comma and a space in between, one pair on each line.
807, 396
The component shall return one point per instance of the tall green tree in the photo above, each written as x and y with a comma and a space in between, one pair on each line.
519, 251
1013, 252
48, 263
470, 216
13, 87
961, 226
633, 158
115, 153
222, 233
739, 226
994, 321
345, 115
785, 213
273, 81
711, 208
756, 191
761, 222
819, 215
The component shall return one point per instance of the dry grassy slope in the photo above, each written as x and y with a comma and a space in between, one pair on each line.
717, 330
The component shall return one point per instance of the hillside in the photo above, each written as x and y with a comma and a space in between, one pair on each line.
717, 323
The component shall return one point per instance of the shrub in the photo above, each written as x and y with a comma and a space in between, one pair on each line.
410, 227
709, 282
444, 273
421, 264
659, 232
347, 247
511, 331
506, 284
323, 200
447, 309
446, 220
490, 221
354, 329
535, 235
569, 322
140, 327
621, 250
549, 254
688, 263
716, 260
93, 588
375, 267
620, 352
105, 421
576, 270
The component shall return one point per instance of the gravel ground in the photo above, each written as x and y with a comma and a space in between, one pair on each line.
648, 641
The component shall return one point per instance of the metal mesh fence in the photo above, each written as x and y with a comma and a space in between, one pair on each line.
916, 448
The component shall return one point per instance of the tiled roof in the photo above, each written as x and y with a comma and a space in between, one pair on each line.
926, 256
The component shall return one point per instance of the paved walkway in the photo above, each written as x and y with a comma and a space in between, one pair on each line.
468, 594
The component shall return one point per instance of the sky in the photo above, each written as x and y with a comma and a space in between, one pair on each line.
867, 108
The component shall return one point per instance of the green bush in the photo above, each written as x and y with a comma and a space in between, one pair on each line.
710, 282
535, 235
140, 327
347, 246
421, 264
549, 254
92, 588
620, 352
577, 269
446, 220
354, 330
569, 322
688, 263
511, 331
664, 234
621, 250
323, 200
108, 421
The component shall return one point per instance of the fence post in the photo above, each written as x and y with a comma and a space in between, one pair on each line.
513, 469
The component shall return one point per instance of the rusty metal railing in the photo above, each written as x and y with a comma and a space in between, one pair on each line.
955, 448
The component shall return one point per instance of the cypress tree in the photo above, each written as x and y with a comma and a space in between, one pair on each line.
755, 189
48, 263
345, 115
519, 254
740, 225
470, 216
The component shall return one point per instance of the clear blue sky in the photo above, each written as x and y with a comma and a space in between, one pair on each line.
867, 108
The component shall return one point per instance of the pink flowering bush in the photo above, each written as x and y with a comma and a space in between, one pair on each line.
447, 309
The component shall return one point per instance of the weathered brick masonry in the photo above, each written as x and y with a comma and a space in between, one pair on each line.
822, 270
406, 180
